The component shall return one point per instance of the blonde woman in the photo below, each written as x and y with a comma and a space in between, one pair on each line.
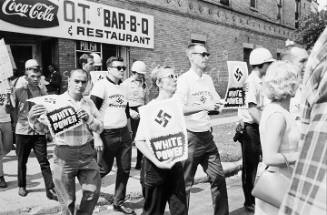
278, 132
162, 181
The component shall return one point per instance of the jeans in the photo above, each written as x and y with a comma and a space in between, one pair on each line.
251, 152
160, 186
117, 143
71, 162
24, 145
202, 150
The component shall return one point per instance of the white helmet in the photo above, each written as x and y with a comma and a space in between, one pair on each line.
260, 56
31, 63
139, 67
97, 59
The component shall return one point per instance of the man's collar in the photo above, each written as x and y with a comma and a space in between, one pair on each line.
111, 81
69, 98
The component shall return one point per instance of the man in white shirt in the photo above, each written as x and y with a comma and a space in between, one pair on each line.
86, 62
260, 59
298, 57
197, 92
110, 98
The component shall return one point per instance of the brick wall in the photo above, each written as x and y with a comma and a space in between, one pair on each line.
226, 31
66, 59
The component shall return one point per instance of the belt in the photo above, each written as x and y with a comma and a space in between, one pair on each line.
114, 129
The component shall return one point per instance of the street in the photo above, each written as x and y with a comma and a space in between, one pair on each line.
200, 200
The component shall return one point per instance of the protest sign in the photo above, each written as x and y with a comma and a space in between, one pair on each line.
4, 85
62, 119
6, 69
165, 129
60, 116
98, 75
235, 94
50, 101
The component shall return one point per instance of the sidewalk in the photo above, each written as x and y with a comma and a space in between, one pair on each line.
37, 203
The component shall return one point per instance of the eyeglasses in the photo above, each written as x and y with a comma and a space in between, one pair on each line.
119, 68
203, 54
171, 76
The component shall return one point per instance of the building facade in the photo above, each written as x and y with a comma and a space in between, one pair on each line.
159, 31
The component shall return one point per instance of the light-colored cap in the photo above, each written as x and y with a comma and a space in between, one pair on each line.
139, 67
31, 63
97, 59
260, 56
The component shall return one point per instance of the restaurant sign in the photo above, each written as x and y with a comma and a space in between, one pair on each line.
78, 20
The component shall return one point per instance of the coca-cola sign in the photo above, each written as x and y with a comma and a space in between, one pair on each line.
29, 13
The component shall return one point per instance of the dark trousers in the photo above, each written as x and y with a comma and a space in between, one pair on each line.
134, 126
117, 143
161, 186
24, 145
202, 150
251, 152
76, 162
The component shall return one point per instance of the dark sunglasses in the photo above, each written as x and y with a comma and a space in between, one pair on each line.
120, 67
78, 81
33, 68
203, 54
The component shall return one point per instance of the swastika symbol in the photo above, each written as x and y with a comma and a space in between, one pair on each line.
238, 74
162, 118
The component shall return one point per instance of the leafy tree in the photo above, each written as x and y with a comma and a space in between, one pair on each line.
311, 27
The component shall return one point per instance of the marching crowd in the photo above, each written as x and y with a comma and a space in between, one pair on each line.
277, 92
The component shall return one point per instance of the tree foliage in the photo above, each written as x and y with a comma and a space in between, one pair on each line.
311, 27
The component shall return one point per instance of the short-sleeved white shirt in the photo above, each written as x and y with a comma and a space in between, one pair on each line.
114, 103
195, 90
254, 95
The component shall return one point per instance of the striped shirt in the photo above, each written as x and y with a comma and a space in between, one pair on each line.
79, 135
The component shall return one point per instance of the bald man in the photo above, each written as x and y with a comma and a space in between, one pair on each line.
298, 57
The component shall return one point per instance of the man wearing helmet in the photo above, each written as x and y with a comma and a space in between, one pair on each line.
137, 95
97, 62
260, 59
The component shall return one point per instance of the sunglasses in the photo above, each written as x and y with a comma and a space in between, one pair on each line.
203, 54
32, 68
119, 68
171, 76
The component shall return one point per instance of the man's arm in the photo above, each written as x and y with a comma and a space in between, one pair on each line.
254, 112
94, 122
97, 101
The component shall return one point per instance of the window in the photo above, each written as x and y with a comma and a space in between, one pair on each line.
297, 12
224, 2
279, 56
253, 3
246, 56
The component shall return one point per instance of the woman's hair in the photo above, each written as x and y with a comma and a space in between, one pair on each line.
157, 73
281, 81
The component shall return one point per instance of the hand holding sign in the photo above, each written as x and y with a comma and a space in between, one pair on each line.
82, 114
36, 111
